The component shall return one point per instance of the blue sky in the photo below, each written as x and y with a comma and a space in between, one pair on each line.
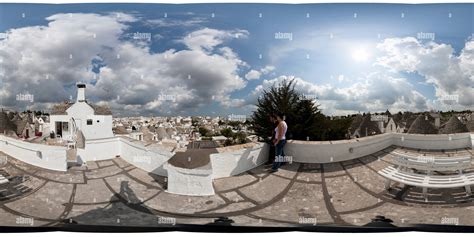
352, 57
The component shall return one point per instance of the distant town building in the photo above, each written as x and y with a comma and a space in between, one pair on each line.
423, 124
7, 127
363, 126
453, 126
219, 139
408, 122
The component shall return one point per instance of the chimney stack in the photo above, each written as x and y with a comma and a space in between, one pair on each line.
81, 92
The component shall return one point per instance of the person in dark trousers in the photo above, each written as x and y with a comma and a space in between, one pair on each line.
271, 153
279, 143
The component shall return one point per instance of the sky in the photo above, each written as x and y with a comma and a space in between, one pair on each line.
217, 59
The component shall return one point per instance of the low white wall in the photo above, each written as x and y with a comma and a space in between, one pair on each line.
472, 140
433, 142
44, 156
335, 151
234, 161
148, 159
231, 163
132, 151
100, 149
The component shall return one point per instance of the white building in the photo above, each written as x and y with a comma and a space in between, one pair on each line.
95, 122
389, 126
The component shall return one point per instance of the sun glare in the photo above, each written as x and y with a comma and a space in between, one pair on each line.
360, 55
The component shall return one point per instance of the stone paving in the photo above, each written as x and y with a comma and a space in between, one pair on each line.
113, 192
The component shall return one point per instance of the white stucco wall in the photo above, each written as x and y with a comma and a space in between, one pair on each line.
335, 151
101, 126
433, 142
145, 158
100, 149
472, 140
44, 156
231, 160
226, 164
80, 109
150, 159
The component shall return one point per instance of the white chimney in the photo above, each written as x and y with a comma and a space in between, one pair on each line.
81, 92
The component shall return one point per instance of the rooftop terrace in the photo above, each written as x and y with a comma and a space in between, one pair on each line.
113, 192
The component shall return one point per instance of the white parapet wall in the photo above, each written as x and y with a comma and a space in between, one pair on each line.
342, 150
229, 161
100, 149
145, 158
134, 152
150, 159
335, 151
44, 156
238, 159
433, 142
472, 140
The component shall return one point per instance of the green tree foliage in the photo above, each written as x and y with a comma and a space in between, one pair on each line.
234, 124
227, 132
240, 137
337, 129
304, 118
204, 132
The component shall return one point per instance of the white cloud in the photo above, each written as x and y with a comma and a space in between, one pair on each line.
384, 88
267, 69
256, 74
377, 93
253, 75
206, 39
47, 61
437, 63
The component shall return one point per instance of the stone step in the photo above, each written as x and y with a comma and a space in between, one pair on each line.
71, 157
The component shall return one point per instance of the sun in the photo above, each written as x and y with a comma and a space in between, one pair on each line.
360, 55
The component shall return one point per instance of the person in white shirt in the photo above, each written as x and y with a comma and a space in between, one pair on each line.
279, 143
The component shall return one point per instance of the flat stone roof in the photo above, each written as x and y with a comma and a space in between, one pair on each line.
192, 158
237, 147
113, 192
